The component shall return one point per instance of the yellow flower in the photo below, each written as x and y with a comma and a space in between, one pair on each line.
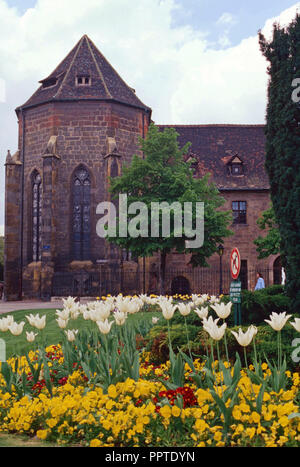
112, 392
95, 443
250, 432
176, 411
236, 413
165, 411
244, 407
200, 425
218, 436
42, 434
255, 417
283, 421
51, 422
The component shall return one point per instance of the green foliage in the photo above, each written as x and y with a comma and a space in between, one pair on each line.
258, 305
282, 146
163, 176
270, 243
265, 341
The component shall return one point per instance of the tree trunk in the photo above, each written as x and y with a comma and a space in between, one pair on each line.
162, 271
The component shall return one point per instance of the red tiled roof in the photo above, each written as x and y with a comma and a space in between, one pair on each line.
214, 146
85, 59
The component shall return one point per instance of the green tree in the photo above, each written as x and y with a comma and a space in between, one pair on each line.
270, 243
282, 145
160, 176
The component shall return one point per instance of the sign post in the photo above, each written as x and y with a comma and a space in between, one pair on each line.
236, 285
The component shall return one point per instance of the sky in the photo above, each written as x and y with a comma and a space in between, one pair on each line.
191, 61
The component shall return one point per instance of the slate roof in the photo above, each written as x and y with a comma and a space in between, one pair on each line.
85, 59
214, 146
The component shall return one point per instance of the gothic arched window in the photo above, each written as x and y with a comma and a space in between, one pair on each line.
36, 209
114, 168
81, 212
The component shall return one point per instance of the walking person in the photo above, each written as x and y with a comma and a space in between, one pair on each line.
260, 284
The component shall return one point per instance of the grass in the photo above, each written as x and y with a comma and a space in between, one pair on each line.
52, 334
18, 441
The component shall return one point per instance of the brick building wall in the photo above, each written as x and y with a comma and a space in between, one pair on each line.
84, 115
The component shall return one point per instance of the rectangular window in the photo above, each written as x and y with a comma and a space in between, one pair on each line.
239, 211
83, 80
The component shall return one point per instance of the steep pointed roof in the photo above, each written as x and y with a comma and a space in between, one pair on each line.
84, 60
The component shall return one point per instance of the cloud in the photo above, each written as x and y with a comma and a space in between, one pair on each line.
226, 19
2, 90
174, 70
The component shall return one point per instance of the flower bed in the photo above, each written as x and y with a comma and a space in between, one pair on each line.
146, 413
97, 389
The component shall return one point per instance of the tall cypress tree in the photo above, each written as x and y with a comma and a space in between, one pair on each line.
283, 145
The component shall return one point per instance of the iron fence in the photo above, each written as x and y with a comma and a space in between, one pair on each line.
116, 280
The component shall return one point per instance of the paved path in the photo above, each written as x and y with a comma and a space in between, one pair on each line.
6, 307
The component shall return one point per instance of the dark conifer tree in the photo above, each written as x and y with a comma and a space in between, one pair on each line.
283, 145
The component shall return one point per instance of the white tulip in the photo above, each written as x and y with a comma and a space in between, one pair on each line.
209, 322
86, 314
71, 334
245, 338
133, 307
213, 299
213, 329
37, 321
5, 323
40, 323
155, 320
16, 329
197, 300
278, 320
120, 317
69, 302
82, 309
104, 326
62, 323
30, 336
184, 308
143, 297
205, 297
63, 314
296, 324
168, 310
74, 311
222, 310
122, 303
202, 313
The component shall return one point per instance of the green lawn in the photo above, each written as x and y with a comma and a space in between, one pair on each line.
17, 441
52, 334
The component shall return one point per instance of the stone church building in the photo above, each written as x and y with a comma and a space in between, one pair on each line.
80, 126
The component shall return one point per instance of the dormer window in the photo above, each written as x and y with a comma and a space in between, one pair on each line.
83, 80
235, 166
48, 83
236, 169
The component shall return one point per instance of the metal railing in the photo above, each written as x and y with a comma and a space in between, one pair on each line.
116, 280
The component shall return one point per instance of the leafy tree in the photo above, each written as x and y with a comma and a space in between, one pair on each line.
163, 176
282, 145
270, 243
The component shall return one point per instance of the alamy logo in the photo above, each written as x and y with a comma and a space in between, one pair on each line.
296, 92
188, 220
2, 351
296, 353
